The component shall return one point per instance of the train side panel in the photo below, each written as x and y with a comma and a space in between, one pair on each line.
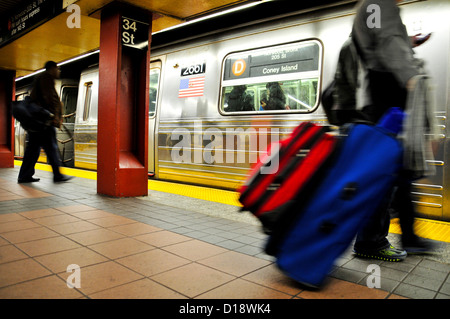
85, 134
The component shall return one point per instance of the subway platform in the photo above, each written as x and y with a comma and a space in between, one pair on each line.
180, 242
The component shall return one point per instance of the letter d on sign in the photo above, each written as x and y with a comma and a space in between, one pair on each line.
74, 280
239, 67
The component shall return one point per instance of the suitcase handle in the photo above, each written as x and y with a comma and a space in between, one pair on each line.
349, 191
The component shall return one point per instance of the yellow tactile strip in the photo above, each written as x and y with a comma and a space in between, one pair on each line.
431, 229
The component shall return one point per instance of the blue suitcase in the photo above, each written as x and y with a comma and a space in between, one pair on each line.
360, 178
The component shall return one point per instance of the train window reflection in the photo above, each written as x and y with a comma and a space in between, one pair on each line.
69, 100
153, 92
281, 78
87, 100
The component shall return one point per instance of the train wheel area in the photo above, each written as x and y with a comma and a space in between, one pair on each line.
178, 242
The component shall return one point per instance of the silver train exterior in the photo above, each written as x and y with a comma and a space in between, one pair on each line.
196, 137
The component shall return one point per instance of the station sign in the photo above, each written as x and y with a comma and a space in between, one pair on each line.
134, 33
282, 60
29, 15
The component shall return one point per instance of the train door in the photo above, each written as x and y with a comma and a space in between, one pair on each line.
69, 95
19, 132
155, 76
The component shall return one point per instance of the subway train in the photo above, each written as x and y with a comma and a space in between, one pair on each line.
210, 118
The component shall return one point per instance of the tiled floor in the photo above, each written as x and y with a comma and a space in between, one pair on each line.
165, 247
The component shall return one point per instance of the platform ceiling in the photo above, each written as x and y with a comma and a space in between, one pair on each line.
53, 40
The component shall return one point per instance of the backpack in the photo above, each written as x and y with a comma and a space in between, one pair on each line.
31, 116
339, 97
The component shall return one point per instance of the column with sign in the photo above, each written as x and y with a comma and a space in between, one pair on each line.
134, 33
122, 140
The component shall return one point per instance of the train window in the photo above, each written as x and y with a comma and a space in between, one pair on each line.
69, 97
87, 100
22, 96
281, 78
155, 74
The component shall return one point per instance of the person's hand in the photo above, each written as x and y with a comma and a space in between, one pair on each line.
419, 39
263, 104
411, 84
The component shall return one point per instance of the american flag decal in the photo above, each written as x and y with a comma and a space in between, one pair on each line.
191, 87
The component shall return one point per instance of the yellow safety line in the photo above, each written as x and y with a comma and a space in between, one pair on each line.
425, 228
199, 192
431, 229
64, 170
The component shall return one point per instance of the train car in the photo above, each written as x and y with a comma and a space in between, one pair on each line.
68, 91
211, 117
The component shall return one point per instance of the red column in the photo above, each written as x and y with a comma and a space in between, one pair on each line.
122, 168
7, 88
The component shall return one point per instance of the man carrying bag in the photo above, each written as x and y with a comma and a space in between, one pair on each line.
42, 128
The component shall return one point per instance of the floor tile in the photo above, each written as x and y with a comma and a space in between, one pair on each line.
38, 213
192, 279
195, 250
73, 227
414, 292
424, 282
10, 196
10, 253
3, 242
94, 236
103, 276
339, 289
20, 271
47, 246
20, 236
92, 214
162, 238
56, 220
75, 208
120, 247
17, 225
58, 262
11, 218
51, 287
153, 262
112, 221
270, 276
140, 289
234, 263
134, 229
242, 289
393, 296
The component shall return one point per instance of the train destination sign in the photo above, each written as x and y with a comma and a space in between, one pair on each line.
288, 59
134, 33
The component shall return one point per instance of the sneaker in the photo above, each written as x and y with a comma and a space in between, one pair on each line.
419, 246
387, 254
